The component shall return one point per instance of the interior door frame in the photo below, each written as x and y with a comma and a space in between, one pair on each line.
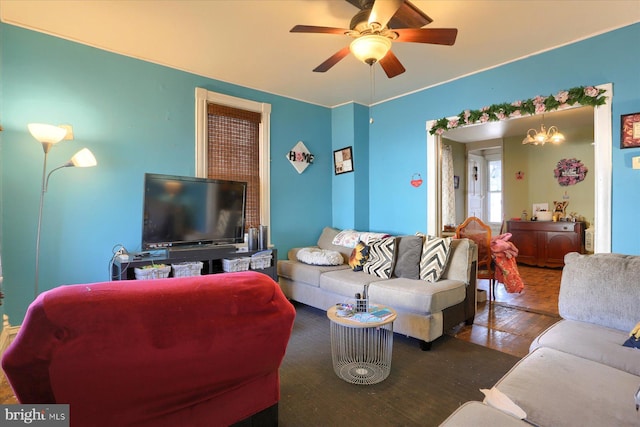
603, 146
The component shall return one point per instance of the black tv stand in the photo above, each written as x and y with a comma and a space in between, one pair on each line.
226, 246
211, 257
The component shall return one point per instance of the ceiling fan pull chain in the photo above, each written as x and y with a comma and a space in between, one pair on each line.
372, 84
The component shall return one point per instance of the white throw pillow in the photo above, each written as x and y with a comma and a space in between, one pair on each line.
347, 238
317, 256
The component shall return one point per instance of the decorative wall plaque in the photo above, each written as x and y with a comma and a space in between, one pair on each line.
299, 157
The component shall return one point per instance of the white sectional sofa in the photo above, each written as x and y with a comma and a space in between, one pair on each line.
425, 310
577, 373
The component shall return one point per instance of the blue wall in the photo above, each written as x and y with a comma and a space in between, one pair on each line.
136, 117
398, 137
350, 202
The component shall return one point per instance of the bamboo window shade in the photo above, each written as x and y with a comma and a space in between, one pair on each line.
234, 152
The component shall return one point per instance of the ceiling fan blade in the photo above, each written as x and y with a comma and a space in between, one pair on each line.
391, 65
333, 60
409, 16
383, 11
319, 30
356, 3
446, 36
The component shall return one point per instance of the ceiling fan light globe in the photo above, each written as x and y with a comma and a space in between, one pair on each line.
370, 48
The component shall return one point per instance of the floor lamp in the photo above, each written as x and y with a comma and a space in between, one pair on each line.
48, 136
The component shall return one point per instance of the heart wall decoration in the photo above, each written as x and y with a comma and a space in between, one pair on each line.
416, 180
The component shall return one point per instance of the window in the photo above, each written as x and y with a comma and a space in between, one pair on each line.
235, 121
233, 152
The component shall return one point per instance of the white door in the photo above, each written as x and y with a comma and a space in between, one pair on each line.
475, 186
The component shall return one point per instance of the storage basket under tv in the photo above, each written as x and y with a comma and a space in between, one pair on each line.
187, 269
159, 271
235, 264
261, 260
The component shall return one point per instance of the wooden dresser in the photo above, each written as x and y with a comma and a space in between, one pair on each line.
545, 243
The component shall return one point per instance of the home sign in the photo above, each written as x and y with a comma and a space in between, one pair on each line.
300, 157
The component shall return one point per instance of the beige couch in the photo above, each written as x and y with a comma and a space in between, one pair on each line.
577, 373
425, 310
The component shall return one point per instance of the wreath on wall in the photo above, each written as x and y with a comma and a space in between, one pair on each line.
570, 172
583, 95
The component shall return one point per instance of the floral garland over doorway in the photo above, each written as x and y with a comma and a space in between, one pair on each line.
583, 95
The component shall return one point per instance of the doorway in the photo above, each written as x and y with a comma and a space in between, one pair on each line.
476, 174
484, 187
602, 171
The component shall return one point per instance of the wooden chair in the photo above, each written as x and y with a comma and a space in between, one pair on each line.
473, 228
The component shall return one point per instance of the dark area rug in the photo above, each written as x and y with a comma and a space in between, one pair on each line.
423, 389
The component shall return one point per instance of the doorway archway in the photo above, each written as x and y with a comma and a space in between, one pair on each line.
602, 173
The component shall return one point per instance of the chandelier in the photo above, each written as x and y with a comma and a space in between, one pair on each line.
543, 136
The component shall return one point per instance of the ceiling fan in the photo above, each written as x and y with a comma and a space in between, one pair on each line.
375, 27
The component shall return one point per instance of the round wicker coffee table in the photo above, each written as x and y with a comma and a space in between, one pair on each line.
361, 350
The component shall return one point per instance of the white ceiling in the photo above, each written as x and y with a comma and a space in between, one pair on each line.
247, 42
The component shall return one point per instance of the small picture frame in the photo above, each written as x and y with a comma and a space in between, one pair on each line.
343, 160
630, 130
456, 182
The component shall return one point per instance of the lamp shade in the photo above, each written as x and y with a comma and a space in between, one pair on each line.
84, 159
370, 48
47, 134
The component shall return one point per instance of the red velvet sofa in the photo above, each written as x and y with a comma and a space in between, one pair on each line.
192, 351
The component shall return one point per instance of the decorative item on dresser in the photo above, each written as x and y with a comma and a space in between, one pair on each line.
545, 243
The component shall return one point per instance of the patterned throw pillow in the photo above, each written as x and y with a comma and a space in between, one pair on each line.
317, 256
368, 236
347, 238
435, 253
359, 256
381, 257
634, 337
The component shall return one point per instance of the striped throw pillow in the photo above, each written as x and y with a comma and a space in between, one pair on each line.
435, 253
381, 257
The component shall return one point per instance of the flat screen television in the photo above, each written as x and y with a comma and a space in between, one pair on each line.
181, 211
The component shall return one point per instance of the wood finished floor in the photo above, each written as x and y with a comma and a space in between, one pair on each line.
512, 321
509, 324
